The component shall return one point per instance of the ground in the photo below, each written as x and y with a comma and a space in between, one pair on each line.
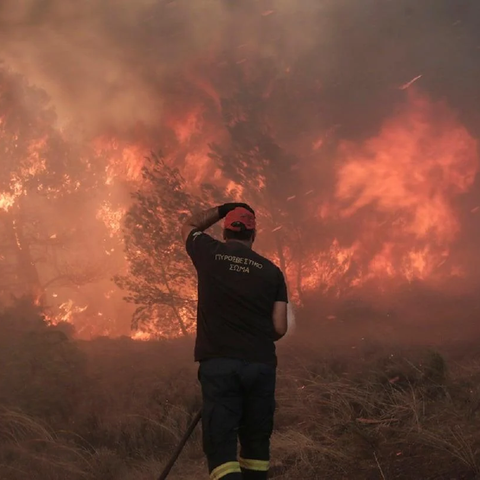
114, 409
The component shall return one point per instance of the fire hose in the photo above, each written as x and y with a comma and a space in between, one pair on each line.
180, 446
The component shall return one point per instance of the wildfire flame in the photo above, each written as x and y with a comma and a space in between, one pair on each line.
111, 217
67, 312
392, 214
400, 188
7, 200
141, 335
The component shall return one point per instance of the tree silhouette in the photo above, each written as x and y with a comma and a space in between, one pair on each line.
255, 160
161, 279
45, 181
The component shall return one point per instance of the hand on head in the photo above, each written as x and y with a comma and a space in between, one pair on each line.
228, 207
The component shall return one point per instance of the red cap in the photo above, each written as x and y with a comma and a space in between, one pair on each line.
238, 216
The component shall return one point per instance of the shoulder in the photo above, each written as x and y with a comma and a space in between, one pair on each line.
277, 272
195, 233
268, 263
198, 237
199, 242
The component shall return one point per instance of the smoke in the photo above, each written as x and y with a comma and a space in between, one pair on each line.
99, 61
114, 63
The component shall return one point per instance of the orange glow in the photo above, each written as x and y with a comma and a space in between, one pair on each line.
37, 163
33, 166
7, 201
123, 161
414, 167
194, 136
401, 185
188, 126
141, 335
326, 270
65, 312
68, 310
395, 193
390, 217
112, 218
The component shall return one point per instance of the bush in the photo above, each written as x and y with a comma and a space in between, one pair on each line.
43, 370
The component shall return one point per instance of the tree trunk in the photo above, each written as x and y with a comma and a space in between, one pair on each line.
278, 239
174, 308
299, 255
27, 270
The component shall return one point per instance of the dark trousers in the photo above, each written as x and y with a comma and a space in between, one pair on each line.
238, 403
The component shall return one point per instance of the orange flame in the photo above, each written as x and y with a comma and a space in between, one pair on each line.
394, 194
141, 335
7, 201
123, 161
111, 217
401, 187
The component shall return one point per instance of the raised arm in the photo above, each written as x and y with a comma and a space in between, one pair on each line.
200, 221
206, 218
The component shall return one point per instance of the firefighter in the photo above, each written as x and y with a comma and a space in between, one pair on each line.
242, 312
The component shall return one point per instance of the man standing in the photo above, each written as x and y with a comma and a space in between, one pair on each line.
242, 311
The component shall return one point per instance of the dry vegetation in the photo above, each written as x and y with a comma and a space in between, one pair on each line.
112, 410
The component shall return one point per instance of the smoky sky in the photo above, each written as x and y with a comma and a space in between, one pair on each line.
113, 63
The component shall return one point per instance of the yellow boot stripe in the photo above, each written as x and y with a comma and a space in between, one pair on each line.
224, 469
258, 465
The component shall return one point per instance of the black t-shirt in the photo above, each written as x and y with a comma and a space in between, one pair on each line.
237, 289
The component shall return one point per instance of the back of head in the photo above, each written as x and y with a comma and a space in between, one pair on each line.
240, 225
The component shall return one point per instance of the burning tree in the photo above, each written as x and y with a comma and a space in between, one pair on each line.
161, 280
44, 181
266, 172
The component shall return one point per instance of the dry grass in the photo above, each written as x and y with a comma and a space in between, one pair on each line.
392, 418
369, 415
